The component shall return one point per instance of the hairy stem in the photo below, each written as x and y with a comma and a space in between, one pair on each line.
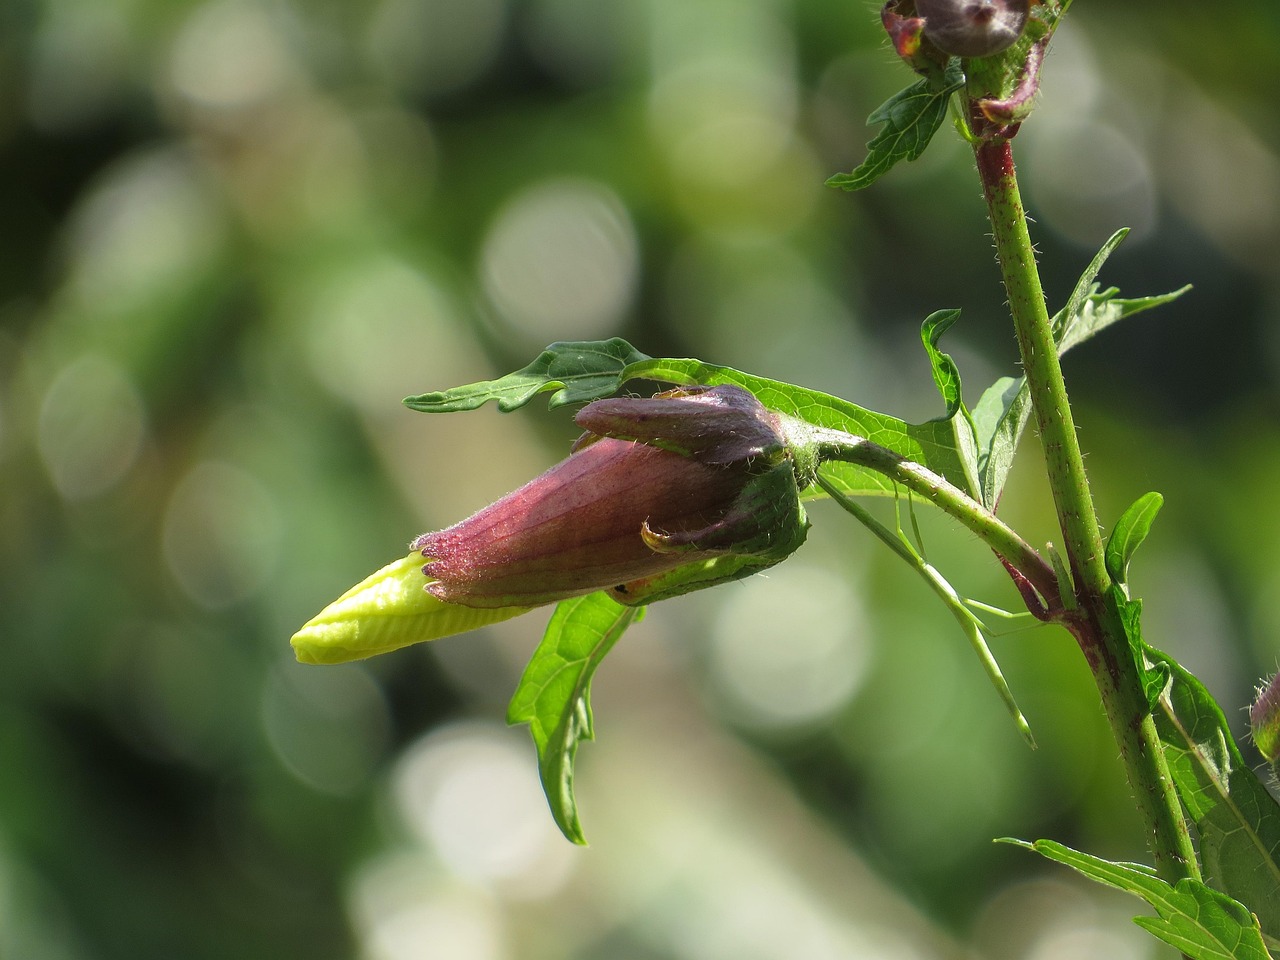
1097, 624
946, 496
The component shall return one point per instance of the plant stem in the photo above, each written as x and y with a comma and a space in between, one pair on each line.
1097, 625
946, 496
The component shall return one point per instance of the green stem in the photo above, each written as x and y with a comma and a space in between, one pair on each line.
969, 623
1097, 624
946, 496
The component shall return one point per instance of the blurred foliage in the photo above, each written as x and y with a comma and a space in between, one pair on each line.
237, 233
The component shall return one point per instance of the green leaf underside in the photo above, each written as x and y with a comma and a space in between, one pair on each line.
1192, 917
1129, 532
577, 370
1001, 414
554, 693
1235, 815
911, 117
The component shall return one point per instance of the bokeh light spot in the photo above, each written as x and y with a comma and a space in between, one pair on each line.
329, 727
91, 427
471, 792
221, 534
435, 46
788, 649
561, 261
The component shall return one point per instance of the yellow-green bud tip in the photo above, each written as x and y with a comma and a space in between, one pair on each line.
385, 611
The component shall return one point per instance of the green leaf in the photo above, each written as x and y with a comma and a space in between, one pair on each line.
1235, 815
947, 377
554, 694
911, 118
1129, 532
1000, 415
945, 372
584, 371
932, 444
578, 371
1199, 921
385, 611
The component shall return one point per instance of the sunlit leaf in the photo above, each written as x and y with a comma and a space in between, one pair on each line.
554, 694
1236, 817
1129, 532
911, 117
577, 370
1000, 415
1194, 918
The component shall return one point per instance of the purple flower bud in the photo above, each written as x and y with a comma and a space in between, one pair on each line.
654, 485
1264, 719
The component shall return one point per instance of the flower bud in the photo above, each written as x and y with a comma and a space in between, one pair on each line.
655, 485
1264, 719
973, 28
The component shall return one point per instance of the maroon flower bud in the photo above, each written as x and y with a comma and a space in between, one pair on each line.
973, 28
655, 485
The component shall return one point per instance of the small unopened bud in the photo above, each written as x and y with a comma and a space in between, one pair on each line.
973, 28
1264, 719
655, 485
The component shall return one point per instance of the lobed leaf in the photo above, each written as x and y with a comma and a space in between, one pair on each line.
1000, 415
1236, 817
1194, 918
554, 693
577, 370
911, 117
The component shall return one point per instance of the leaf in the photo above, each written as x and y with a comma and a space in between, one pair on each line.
947, 377
945, 372
554, 694
577, 370
1199, 921
911, 118
1129, 532
387, 610
1235, 815
1000, 415
932, 444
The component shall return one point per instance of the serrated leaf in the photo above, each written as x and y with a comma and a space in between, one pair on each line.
932, 444
1235, 815
1001, 414
385, 611
1129, 532
1203, 923
911, 117
578, 371
554, 693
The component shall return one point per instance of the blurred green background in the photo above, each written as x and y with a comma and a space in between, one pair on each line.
236, 233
